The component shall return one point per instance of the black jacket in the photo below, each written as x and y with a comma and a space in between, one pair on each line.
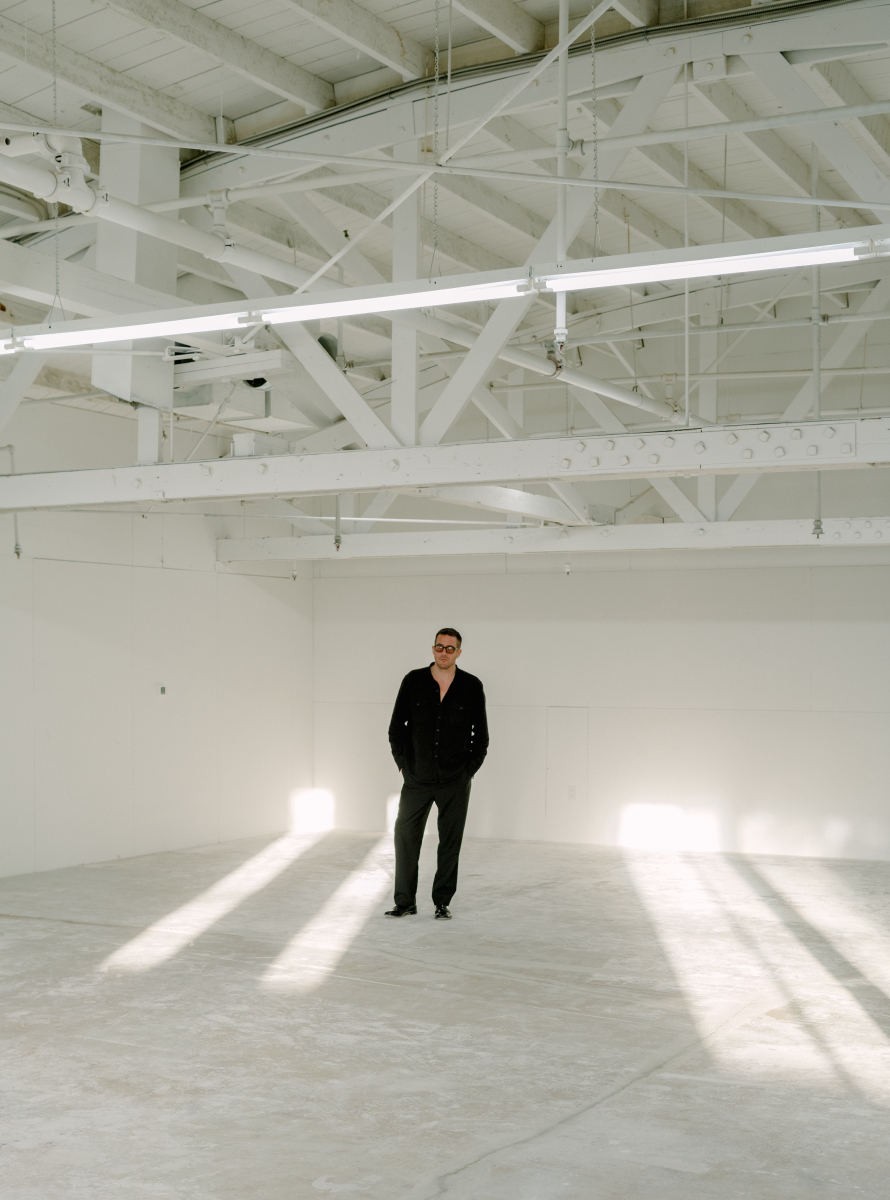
433, 740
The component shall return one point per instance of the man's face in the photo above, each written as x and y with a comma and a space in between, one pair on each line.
446, 651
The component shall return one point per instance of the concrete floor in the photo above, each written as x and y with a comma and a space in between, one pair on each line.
240, 1021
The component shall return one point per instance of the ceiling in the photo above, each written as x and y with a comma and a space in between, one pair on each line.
356, 80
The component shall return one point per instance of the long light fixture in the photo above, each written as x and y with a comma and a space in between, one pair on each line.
699, 263
425, 293
773, 254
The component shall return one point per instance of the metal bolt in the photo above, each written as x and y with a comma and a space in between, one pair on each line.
669, 441
846, 448
624, 460
653, 458
829, 432
609, 444
763, 435
779, 452
639, 443
593, 462
566, 463
700, 447
731, 439
812, 449
796, 435
747, 454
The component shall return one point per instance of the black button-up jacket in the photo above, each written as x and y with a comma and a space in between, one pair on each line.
433, 740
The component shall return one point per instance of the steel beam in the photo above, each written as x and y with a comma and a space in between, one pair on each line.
732, 450
634, 116
504, 500
602, 539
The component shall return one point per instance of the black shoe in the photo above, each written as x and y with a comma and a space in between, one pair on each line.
443, 912
402, 910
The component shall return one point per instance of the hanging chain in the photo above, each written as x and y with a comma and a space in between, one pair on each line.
434, 261
596, 156
57, 295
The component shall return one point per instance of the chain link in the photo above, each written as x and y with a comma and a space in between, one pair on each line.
434, 261
596, 157
57, 295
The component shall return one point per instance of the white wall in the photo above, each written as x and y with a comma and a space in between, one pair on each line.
101, 608
743, 705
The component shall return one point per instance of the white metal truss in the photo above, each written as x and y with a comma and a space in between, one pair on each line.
822, 445
802, 62
603, 539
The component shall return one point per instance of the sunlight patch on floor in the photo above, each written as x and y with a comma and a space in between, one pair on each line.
762, 945
316, 950
167, 937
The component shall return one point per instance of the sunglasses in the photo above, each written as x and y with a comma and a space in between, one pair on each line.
439, 648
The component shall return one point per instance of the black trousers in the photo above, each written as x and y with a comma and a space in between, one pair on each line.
452, 800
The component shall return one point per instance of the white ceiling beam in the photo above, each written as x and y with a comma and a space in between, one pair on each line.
836, 143
599, 539
836, 355
358, 27
336, 436
572, 498
836, 85
775, 152
495, 412
379, 507
102, 84
13, 388
319, 364
460, 250
258, 223
669, 491
620, 208
841, 444
245, 57
502, 500
507, 21
672, 165
635, 115
31, 275
655, 310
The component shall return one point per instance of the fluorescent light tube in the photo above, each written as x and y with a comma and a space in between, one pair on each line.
735, 264
477, 292
127, 333
310, 310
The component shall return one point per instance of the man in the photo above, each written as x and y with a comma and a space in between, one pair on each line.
439, 739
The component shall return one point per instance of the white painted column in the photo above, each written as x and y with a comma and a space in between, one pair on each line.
140, 174
707, 398
406, 264
148, 434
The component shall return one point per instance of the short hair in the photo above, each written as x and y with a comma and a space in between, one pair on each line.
449, 632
